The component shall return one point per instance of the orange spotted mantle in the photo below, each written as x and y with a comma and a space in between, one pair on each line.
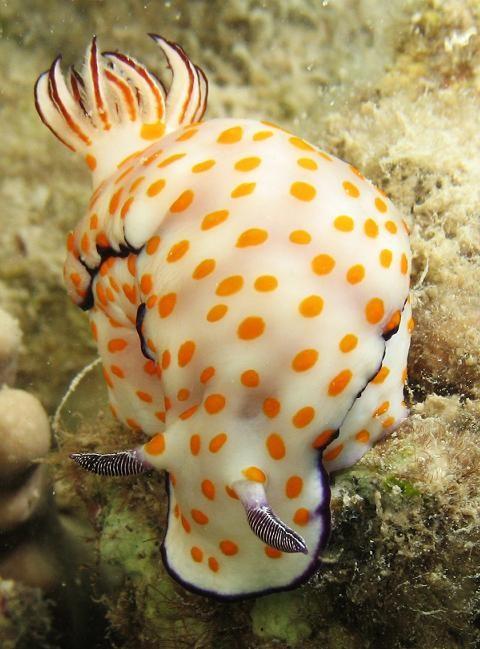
249, 297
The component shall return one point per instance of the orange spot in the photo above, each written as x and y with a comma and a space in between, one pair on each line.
300, 144
344, 223
166, 359
208, 489
322, 440
156, 445
303, 417
357, 172
144, 396
355, 274
229, 548
410, 325
146, 283
271, 407
307, 163
150, 368
94, 222
133, 423
389, 421
348, 342
272, 553
362, 436
266, 283
204, 268
374, 311
183, 201
293, 486
138, 181
177, 251
203, 166
323, 264
185, 524
252, 237
250, 328
186, 414
197, 554
213, 219
231, 492
325, 156
130, 293
255, 474
391, 227
70, 242
303, 191
91, 162
107, 378
101, 240
230, 285
301, 516
217, 442
195, 444
207, 374
168, 161
214, 403
152, 245
333, 453
213, 564
187, 135
155, 188
152, 131
382, 409
385, 258
339, 383
183, 394
217, 312
231, 135
114, 201
351, 189
116, 345
76, 279
247, 164
85, 243
166, 304
117, 371
311, 306
250, 379
381, 375
370, 228
305, 360
276, 446
185, 353
243, 190
404, 264
262, 135
380, 205
199, 517
126, 207
132, 265
101, 294
300, 236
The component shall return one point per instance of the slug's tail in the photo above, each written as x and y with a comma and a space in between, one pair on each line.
117, 95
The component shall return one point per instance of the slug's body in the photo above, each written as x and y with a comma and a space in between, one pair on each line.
249, 297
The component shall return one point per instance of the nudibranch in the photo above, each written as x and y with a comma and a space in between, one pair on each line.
249, 295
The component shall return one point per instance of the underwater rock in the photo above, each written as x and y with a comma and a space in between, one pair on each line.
10, 339
25, 618
24, 432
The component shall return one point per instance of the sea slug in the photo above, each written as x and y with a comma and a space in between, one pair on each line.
249, 294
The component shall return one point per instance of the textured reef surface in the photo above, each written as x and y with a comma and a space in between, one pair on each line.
394, 89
